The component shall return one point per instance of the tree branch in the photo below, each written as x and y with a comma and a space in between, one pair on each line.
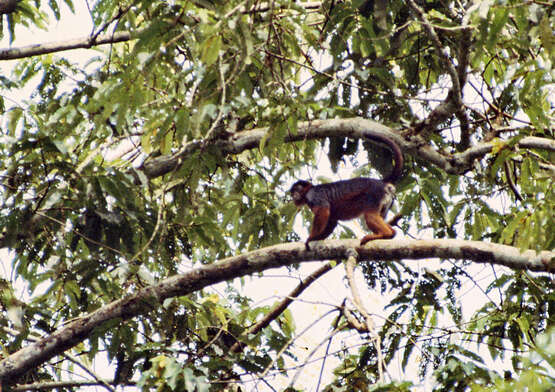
511, 183
463, 60
355, 128
357, 301
61, 384
144, 300
440, 51
453, 103
280, 307
8, 6
58, 46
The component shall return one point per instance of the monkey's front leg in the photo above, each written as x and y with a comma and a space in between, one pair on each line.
322, 225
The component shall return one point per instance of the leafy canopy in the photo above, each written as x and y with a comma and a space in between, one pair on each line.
116, 173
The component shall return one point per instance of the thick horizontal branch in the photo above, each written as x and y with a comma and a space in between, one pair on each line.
356, 128
275, 256
59, 46
479, 150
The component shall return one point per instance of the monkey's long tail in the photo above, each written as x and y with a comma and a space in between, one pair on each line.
395, 174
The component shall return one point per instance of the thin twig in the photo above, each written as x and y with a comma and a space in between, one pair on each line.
511, 183
350, 271
57, 384
289, 344
312, 352
100, 381
280, 307
326, 354
214, 127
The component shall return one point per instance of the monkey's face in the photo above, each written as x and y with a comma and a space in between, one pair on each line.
298, 191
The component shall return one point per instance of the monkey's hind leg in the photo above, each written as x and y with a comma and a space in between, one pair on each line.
380, 229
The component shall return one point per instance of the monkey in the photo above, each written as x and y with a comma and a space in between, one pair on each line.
348, 199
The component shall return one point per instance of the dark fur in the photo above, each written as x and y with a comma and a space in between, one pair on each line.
348, 199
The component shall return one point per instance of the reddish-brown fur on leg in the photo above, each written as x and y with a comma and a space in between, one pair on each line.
321, 216
379, 227
322, 226
348, 199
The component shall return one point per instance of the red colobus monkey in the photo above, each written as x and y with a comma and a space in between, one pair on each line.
348, 199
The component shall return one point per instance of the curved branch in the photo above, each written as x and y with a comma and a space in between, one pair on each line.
511, 183
271, 257
355, 128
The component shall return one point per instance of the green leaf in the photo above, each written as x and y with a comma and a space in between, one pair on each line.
500, 17
167, 143
210, 49
146, 143
508, 234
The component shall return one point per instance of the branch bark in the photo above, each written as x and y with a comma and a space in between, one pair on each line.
355, 128
41, 386
150, 297
58, 46
357, 301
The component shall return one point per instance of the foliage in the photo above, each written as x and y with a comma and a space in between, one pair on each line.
86, 224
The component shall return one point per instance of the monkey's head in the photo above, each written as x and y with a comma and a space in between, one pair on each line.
298, 192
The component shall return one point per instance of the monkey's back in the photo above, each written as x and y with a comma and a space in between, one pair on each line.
348, 199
